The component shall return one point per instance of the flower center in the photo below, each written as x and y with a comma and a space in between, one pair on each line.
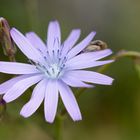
54, 64
53, 71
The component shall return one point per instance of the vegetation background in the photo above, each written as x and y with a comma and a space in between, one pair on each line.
109, 112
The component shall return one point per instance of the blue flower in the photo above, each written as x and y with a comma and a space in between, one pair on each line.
53, 68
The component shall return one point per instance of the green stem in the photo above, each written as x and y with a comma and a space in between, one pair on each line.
120, 54
125, 53
58, 128
12, 58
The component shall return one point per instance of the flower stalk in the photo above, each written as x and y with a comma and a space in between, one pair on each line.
123, 53
58, 128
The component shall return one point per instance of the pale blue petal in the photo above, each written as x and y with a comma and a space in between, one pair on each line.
35, 101
51, 101
86, 64
25, 46
36, 41
4, 87
69, 101
90, 56
17, 68
70, 41
74, 82
56, 46
53, 35
19, 88
91, 77
79, 47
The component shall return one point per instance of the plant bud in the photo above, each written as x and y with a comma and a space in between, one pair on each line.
6, 40
96, 46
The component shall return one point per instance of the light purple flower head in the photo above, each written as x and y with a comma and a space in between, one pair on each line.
53, 68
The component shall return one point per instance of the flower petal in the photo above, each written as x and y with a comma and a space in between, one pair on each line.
36, 41
4, 87
25, 46
90, 56
79, 47
69, 101
35, 101
51, 101
17, 68
70, 41
90, 76
53, 35
86, 64
74, 82
18, 89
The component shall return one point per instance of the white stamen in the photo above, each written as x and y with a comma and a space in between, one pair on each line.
53, 67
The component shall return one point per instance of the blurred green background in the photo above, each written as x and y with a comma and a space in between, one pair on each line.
109, 112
